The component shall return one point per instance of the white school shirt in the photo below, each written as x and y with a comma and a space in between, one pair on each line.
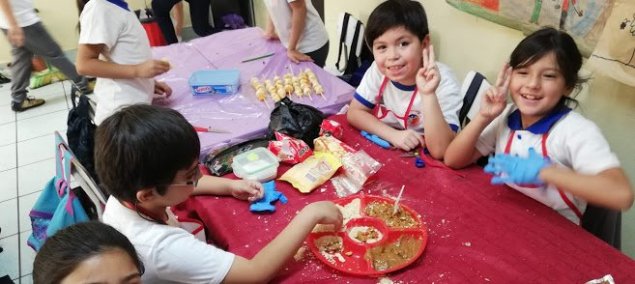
169, 254
314, 34
572, 141
24, 14
397, 97
125, 43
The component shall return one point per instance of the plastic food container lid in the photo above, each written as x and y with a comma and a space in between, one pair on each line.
256, 164
209, 82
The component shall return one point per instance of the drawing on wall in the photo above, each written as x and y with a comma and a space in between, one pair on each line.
614, 54
582, 19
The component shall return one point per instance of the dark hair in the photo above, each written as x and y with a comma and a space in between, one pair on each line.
393, 14
547, 40
143, 146
68, 248
80, 9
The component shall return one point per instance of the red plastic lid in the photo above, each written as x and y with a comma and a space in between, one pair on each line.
371, 245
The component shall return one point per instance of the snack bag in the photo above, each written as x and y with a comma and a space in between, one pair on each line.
358, 167
289, 150
330, 144
313, 172
332, 128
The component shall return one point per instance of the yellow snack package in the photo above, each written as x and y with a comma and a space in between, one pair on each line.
313, 172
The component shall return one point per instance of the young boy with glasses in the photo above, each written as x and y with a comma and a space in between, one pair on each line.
147, 159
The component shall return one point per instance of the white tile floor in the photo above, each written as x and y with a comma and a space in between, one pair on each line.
26, 164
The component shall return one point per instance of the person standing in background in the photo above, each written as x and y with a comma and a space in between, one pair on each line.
28, 37
199, 15
300, 29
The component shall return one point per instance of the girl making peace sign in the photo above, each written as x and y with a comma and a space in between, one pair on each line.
543, 149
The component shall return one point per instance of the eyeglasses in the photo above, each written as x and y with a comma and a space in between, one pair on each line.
193, 182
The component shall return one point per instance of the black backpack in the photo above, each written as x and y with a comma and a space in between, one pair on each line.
81, 134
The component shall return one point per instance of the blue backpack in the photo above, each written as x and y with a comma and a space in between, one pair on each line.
57, 207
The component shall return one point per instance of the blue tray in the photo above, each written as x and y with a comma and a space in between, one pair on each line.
215, 82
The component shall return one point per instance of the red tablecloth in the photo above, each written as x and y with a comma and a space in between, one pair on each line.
477, 232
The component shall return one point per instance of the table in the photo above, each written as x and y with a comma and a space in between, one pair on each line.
242, 113
477, 232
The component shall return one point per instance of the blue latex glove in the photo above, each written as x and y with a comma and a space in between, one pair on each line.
376, 139
508, 168
271, 195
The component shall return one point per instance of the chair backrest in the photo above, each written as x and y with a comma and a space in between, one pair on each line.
351, 32
473, 88
604, 223
80, 175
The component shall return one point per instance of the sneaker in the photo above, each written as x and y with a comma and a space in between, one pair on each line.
27, 104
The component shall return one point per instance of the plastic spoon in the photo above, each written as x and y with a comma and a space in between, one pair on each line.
396, 206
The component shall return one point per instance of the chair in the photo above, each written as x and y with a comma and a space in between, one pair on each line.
81, 177
473, 88
603, 223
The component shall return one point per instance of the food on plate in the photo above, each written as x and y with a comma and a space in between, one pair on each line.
364, 234
384, 211
395, 253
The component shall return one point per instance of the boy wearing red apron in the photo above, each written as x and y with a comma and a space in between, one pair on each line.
405, 90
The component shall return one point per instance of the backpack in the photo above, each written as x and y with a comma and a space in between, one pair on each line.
81, 134
357, 56
57, 207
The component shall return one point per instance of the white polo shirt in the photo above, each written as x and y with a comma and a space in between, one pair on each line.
397, 97
169, 254
314, 34
24, 13
572, 141
125, 43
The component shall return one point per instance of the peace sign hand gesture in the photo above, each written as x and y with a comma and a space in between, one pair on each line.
494, 100
428, 76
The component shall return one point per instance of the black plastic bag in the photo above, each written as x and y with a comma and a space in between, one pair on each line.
296, 120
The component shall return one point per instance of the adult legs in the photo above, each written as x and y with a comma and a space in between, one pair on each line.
20, 73
161, 9
40, 42
199, 14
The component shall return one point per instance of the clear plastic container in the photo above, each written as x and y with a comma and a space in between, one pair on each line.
212, 82
257, 164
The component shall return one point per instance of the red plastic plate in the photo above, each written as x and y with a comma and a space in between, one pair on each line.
353, 258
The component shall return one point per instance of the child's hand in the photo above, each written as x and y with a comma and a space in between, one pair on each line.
270, 35
495, 98
246, 190
508, 168
326, 213
16, 36
162, 90
151, 68
428, 76
297, 56
407, 139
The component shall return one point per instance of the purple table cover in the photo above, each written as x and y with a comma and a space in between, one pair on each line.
241, 114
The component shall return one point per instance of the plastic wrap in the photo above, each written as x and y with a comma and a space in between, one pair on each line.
358, 168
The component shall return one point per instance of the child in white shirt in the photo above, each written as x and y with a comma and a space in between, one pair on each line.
147, 159
543, 149
405, 90
113, 47
300, 29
